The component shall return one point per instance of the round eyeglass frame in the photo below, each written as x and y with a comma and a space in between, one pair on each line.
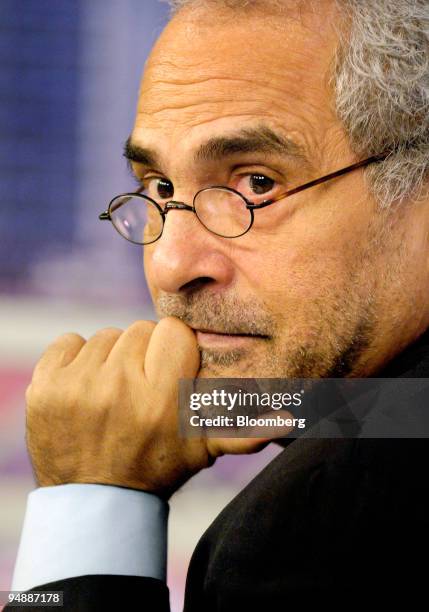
174, 205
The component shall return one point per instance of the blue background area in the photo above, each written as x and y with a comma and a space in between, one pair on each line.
59, 60
39, 84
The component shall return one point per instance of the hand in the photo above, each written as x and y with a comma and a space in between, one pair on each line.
105, 410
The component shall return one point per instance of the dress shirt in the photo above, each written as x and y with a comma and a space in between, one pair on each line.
80, 529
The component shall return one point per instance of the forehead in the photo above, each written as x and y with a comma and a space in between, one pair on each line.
206, 76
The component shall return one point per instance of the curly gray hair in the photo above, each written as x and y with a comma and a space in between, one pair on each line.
380, 77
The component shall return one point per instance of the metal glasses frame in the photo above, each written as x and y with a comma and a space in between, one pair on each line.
251, 206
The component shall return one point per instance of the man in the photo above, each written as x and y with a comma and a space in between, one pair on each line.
258, 98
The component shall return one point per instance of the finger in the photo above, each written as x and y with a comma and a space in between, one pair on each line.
251, 443
132, 344
172, 352
60, 352
98, 347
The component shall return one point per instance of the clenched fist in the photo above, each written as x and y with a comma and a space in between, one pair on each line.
106, 410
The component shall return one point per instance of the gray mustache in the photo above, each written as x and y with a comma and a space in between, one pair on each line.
217, 315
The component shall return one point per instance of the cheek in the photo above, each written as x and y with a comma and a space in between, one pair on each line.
292, 277
306, 263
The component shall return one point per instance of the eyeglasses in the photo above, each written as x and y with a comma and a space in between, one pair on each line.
221, 210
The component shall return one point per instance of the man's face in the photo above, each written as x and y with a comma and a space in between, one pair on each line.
305, 291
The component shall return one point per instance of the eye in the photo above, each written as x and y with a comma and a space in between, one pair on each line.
260, 183
159, 188
255, 184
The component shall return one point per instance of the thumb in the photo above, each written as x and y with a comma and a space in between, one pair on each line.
235, 446
255, 441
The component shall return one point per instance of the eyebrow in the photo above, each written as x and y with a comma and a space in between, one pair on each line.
142, 155
261, 139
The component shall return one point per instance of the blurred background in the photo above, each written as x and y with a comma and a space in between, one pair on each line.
69, 79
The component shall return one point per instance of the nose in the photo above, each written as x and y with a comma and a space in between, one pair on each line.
187, 253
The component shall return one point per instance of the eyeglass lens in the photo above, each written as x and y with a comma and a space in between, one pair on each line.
221, 211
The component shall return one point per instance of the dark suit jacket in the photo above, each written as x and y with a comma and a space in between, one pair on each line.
339, 523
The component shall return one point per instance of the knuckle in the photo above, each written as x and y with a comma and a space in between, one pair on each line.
43, 391
173, 324
68, 337
108, 333
178, 331
141, 327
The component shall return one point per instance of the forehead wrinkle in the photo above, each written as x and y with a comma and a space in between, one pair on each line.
169, 93
203, 100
